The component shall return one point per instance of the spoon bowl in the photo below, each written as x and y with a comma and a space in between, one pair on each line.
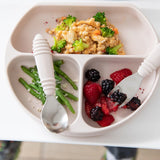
54, 116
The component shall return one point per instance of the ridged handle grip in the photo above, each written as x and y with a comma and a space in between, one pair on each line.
151, 62
44, 62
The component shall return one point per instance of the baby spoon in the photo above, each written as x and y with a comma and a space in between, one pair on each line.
53, 115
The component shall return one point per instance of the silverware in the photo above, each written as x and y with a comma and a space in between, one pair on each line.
53, 116
131, 84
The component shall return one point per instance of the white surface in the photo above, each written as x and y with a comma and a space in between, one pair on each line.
141, 131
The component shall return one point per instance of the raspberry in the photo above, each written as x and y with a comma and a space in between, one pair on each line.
92, 92
118, 97
107, 86
98, 103
104, 105
106, 121
120, 75
134, 103
111, 105
92, 75
88, 108
96, 113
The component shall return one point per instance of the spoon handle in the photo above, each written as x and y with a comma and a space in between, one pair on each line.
44, 62
151, 62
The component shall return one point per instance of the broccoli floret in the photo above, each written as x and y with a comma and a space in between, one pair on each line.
69, 20
100, 17
107, 32
58, 45
79, 46
113, 50
61, 27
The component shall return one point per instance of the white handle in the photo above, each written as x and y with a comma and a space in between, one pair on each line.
44, 62
151, 63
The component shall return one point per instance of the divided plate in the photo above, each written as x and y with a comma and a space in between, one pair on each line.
136, 34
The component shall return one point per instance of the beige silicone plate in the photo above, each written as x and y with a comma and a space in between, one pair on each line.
135, 31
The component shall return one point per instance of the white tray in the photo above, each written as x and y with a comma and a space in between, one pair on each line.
19, 53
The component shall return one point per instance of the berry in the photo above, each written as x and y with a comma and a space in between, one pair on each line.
98, 103
118, 97
107, 86
96, 113
88, 108
111, 105
134, 103
92, 92
125, 106
92, 75
104, 105
106, 121
120, 75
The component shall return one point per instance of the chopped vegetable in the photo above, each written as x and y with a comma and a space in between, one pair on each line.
79, 46
36, 90
58, 63
69, 95
69, 20
63, 18
66, 102
115, 30
60, 72
100, 17
58, 45
29, 88
113, 50
61, 27
107, 32
97, 32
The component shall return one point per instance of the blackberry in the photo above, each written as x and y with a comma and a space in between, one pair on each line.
107, 86
134, 103
92, 75
118, 97
96, 113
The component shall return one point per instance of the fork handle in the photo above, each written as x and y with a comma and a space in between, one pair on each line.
44, 61
151, 62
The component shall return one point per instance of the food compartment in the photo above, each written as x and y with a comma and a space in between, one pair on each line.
108, 65
132, 25
28, 101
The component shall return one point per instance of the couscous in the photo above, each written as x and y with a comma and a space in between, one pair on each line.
95, 35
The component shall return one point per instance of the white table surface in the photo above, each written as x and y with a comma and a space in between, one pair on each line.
142, 131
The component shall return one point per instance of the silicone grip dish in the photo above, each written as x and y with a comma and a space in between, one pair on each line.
135, 32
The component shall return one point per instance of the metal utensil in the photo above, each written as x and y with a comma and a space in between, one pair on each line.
53, 116
131, 84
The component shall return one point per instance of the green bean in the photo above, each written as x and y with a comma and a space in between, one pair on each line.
60, 101
26, 85
58, 63
43, 98
66, 102
35, 87
57, 77
27, 71
67, 94
59, 71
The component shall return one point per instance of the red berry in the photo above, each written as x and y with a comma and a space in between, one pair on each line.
111, 105
98, 103
125, 106
88, 108
92, 92
106, 121
104, 105
117, 76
